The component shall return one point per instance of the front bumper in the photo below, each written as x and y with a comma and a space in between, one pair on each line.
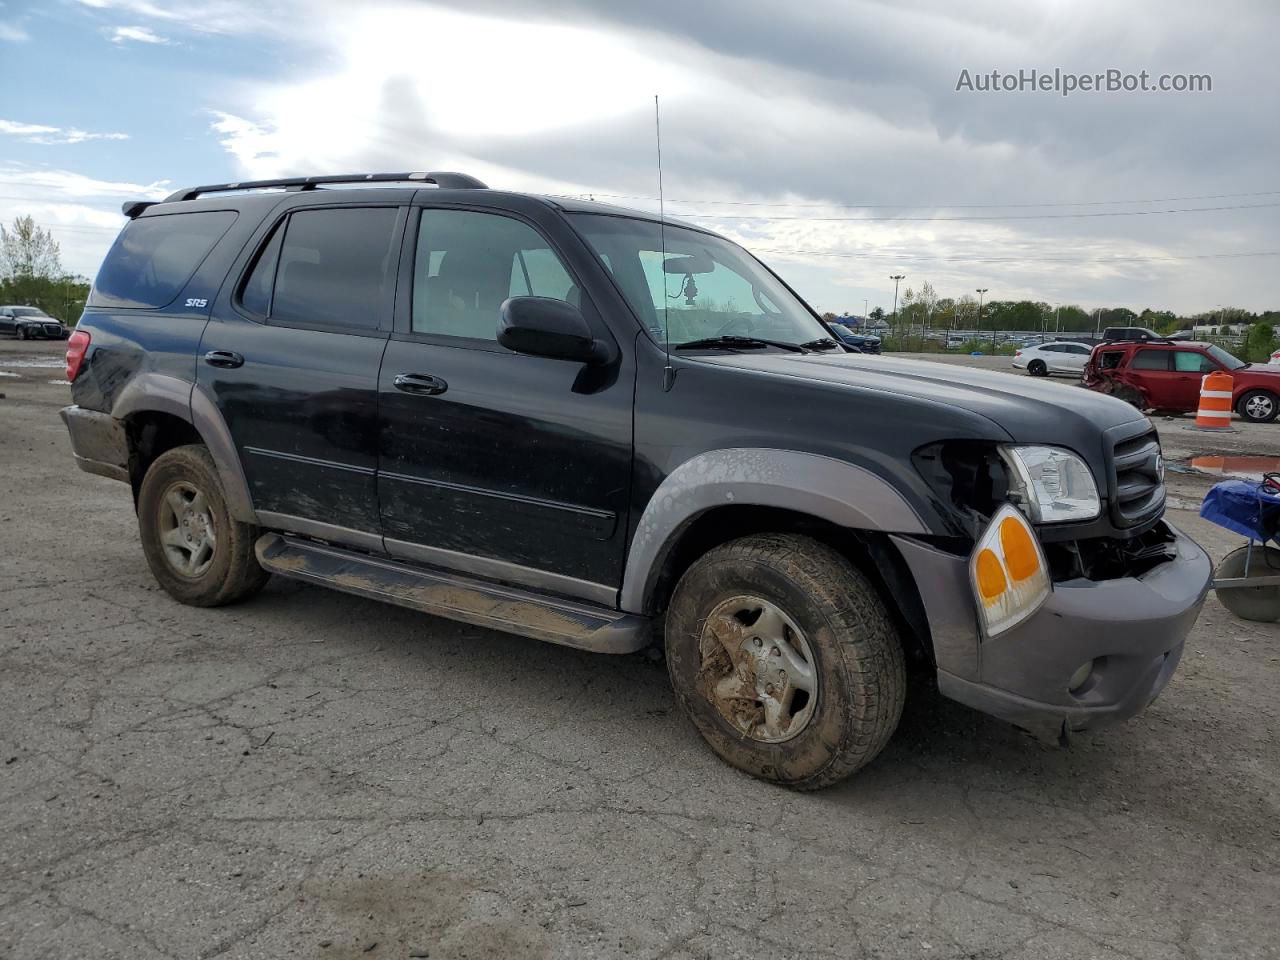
1131, 628
98, 441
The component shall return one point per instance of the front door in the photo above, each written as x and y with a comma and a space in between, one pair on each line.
292, 362
506, 466
1189, 367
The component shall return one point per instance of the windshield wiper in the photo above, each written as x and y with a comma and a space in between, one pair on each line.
822, 343
738, 343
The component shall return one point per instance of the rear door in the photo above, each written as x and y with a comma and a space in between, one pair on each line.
508, 466
1074, 357
293, 360
1152, 370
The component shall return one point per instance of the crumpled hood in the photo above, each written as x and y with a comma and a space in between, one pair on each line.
1029, 409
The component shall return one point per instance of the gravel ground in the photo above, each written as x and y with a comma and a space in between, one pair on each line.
313, 775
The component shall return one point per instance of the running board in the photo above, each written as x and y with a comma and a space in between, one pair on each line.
451, 595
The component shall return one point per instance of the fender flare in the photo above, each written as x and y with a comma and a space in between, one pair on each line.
159, 393
823, 487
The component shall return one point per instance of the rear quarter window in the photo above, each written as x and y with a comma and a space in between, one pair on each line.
154, 257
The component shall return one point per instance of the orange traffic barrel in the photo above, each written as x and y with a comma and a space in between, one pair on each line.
1215, 402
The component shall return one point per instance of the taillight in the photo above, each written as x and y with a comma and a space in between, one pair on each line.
77, 347
1017, 353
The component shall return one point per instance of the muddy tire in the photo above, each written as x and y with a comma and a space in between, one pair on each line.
1261, 604
1038, 368
1259, 406
752, 624
196, 550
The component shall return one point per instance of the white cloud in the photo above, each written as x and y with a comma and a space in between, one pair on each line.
13, 32
137, 34
43, 134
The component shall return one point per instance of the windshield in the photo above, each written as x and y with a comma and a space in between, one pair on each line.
28, 312
709, 288
1224, 358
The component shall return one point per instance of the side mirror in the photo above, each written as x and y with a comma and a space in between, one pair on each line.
545, 327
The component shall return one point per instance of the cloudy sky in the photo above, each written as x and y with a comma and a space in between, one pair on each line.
827, 135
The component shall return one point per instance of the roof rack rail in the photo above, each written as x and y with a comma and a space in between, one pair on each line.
443, 179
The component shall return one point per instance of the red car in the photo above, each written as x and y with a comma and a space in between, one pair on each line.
1165, 375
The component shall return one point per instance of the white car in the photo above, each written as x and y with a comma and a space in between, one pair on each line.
1063, 356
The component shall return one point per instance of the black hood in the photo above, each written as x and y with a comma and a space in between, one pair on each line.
1028, 409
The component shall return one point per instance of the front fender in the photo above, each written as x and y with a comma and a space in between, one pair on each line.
823, 487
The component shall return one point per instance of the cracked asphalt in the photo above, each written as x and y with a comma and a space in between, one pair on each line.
314, 775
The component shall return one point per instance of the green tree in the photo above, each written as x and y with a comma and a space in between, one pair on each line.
27, 250
1259, 343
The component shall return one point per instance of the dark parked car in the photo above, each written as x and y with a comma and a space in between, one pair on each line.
1166, 375
573, 422
1118, 334
30, 323
862, 342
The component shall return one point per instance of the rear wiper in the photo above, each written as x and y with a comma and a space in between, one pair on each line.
740, 343
822, 343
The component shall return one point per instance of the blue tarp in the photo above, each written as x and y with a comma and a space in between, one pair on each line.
1244, 508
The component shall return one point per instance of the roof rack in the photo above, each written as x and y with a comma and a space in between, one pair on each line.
1144, 340
442, 179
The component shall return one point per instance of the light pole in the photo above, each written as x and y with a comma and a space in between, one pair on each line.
865, 310
895, 277
980, 291
1097, 322
1057, 323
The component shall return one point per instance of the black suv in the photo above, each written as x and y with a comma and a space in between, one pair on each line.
578, 423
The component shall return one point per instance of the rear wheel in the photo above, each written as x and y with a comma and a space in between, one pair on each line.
1259, 406
785, 659
196, 550
1250, 603
1038, 368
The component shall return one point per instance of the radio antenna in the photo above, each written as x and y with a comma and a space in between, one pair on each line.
668, 373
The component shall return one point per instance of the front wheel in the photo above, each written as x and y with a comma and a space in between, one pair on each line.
1259, 406
785, 659
197, 551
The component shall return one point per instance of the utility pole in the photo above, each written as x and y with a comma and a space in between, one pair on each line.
1057, 323
895, 277
1097, 323
980, 291
865, 311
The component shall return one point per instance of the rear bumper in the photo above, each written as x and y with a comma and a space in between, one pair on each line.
98, 441
1131, 629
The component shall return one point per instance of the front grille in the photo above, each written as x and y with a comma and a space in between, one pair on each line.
1137, 485
52, 330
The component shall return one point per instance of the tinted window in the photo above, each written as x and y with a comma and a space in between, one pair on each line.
255, 296
1077, 348
154, 257
334, 268
1151, 360
467, 263
1192, 361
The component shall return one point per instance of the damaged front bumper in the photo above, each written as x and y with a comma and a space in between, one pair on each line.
98, 441
1130, 630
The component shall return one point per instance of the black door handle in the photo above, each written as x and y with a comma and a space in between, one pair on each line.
223, 358
420, 383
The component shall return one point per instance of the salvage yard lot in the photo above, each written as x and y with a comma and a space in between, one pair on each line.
314, 775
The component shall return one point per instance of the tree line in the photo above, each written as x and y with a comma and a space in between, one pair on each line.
922, 307
31, 272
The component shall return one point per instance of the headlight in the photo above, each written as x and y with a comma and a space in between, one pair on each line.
1007, 572
1052, 484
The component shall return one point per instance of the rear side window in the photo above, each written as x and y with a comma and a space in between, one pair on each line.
154, 257
334, 268
1151, 360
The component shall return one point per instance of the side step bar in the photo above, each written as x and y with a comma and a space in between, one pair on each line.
443, 594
